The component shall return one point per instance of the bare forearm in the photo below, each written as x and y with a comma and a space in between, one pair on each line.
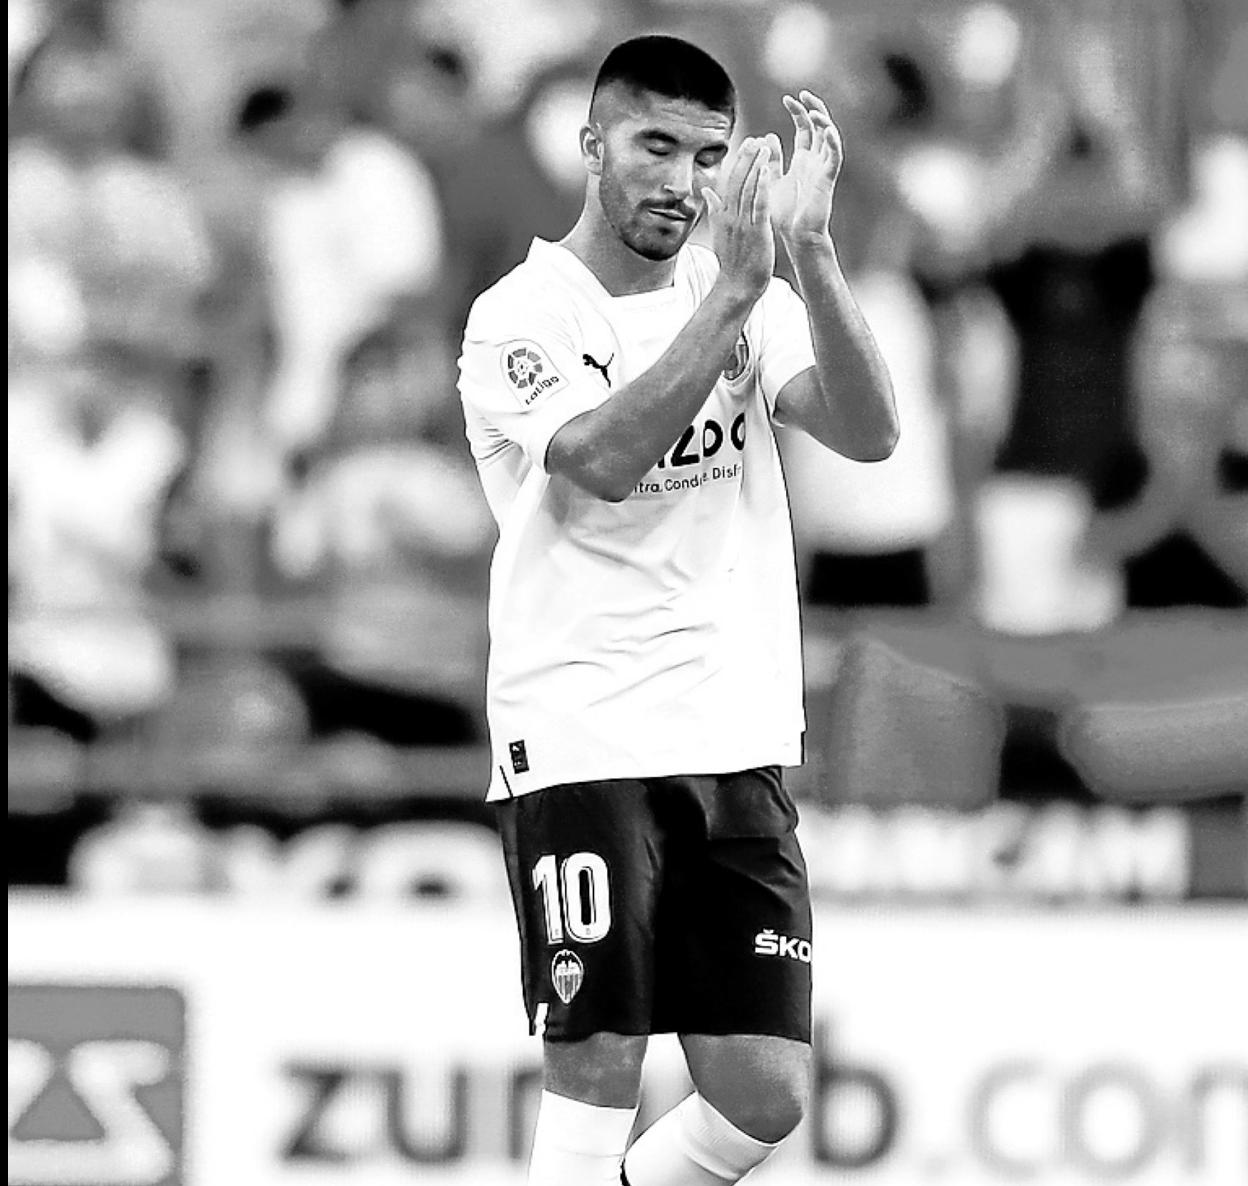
852, 409
609, 450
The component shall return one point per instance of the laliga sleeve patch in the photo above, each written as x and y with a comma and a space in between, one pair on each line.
529, 372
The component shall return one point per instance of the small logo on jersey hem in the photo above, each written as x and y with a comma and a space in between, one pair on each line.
769, 943
567, 974
519, 757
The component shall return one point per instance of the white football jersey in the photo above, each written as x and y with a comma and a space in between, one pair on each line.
658, 635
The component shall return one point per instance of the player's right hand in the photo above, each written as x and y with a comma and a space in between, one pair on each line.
740, 222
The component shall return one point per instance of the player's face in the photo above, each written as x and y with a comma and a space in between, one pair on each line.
657, 157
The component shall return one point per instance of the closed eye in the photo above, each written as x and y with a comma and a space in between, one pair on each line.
659, 143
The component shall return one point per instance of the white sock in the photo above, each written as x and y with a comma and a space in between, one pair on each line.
693, 1145
578, 1144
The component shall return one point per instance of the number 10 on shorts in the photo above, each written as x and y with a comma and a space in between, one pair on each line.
576, 897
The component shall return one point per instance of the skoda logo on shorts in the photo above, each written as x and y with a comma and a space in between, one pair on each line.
523, 367
739, 361
567, 973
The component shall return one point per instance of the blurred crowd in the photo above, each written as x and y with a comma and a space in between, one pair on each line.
244, 236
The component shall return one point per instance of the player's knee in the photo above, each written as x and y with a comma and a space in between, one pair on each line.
603, 1069
773, 1113
759, 1084
768, 1101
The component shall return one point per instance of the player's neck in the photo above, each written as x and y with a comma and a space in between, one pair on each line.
619, 269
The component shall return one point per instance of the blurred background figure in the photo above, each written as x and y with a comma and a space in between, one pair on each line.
105, 239
109, 258
386, 518
345, 226
960, 122
1072, 272
94, 446
871, 535
351, 226
1173, 504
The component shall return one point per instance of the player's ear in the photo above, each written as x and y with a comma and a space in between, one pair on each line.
592, 145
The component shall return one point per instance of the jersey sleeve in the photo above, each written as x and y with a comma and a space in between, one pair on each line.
785, 348
521, 374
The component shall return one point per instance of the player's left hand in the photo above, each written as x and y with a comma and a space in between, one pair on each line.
801, 195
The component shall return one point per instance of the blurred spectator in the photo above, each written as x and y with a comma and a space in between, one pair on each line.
1075, 311
203, 57
391, 526
1077, 266
506, 44
949, 123
1027, 178
27, 21
865, 533
104, 240
235, 720
343, 227
1174, 502
351, 225
504, 177
93, 448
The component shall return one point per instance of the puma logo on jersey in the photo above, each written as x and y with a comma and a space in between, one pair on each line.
590, 361
770, 943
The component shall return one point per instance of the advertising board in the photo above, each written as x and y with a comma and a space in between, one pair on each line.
1053, 852
162, 1042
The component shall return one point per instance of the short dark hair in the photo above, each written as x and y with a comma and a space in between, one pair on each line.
670, 67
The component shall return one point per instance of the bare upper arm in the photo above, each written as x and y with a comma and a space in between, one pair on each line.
797, 397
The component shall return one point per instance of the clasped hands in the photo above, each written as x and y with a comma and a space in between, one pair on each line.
759, 190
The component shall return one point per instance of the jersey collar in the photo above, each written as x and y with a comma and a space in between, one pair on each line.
569, 266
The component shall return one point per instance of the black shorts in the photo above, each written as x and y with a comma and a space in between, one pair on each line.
661, 905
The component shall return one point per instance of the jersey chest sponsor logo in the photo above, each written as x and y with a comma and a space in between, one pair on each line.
709, 450
529, 371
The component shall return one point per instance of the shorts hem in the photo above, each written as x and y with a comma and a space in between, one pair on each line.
760, 1031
